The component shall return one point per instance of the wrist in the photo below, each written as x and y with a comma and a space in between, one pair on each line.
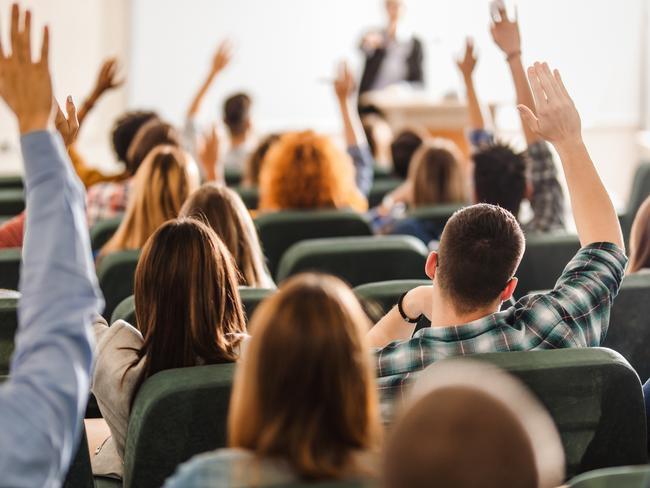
513, 56
33, 124
569, 145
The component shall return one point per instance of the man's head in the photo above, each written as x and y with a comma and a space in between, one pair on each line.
402, 149
395, 9
125, 129
480, 250
236, 114
500, 177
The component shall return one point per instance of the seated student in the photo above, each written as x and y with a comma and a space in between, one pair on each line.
223, 210
380, 137
640, 240
163, 182
109, 199
188, 312
44, 398
315, 418
253, 165
473, 271
402, 149
499, 172
469, 424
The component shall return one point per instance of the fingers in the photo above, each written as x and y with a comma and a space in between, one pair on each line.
529, 117
3, 55
558, 79
14, 30
71, 110
26, 37
45, 47
536, 87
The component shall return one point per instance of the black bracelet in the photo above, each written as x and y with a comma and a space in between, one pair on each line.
401, 310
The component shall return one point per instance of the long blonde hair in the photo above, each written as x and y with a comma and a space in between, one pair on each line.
305, 392
165, 179
223, 210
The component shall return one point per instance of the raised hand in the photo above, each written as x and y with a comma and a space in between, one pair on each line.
208, 154
467, 64
344, 84
26, 85
107, 77
222, 57
68, 126
557, 118
506, 32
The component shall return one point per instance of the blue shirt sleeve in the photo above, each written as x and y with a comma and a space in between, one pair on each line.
364, 164
480, 139
43, 401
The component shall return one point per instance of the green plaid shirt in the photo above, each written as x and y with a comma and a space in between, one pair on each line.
574, 314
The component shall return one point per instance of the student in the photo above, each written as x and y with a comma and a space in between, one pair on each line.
380, 137
469, 424
640, 240
402, 149
473, 271
160, 187
253, 165
223, 210
44, 398
188, 313
316, 416
499, 172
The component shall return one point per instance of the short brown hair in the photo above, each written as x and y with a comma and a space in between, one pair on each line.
305, 392
236, 113
480, 249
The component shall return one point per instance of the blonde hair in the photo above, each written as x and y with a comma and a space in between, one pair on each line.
640, 239
305, 391
223, 210
165, 179
305, 170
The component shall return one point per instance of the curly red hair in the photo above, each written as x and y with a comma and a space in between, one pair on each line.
306, 170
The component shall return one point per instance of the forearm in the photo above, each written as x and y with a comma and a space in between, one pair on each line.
86, 107
390, 328
197, 101
524, 94
352, 128
476, 120
593, 211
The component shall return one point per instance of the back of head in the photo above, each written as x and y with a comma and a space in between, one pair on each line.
306, 170
403, 148
319, 406
500, 177
480, 250
236, 113
125, 129
152, 134
467, 424
436, 174
165, 179
253, 165
640, 239
186, 299
223, 210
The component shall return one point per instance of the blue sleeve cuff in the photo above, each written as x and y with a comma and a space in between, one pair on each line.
42, 152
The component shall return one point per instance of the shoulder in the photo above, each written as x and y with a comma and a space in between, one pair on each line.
120, 339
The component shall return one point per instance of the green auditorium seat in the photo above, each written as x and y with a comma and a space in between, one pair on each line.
380, 188
10, 268
545, 258
232, 176
102, 231
12, 201
278, 231
177, 413
386, 293
80, 473
331, 484
594, 397
639, 192
125, 310
250, 196
439, 214
11, 182
8, 327
358, 260
628, 331
382, 173
116, 272
622, 477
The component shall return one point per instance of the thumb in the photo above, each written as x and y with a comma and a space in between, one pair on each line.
528, 117
73, 120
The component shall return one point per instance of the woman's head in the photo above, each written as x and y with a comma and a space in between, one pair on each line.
640, 239
435, 174
305, 170
223, 210
150, 135
125, 129
253, 165
164, 181
306, 390
186, 299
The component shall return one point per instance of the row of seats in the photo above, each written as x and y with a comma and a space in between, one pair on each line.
593, 395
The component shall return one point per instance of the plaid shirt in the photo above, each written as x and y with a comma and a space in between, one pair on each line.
574, 314
547, 200
106, 200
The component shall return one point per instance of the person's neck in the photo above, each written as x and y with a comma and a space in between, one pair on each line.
391, 30
237, 140
444, 314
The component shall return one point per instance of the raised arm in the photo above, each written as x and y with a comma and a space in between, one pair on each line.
219, 62
44, 399
506, 36
466, 66
554, 118
107, 80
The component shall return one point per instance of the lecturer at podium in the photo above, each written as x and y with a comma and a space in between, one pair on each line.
392, 57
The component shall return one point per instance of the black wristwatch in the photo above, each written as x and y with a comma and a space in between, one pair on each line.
401, 311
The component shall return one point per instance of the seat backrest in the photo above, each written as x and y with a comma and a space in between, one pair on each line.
12, 201
102, 231
177, 414
12, 181
386, 293
639, 192
623, 477
358, 260
278, 231
250, 196
380, 188
10, 268
116, 272
594, 397
8, 327
80, 473
125, 310
628, 331
331, 484
438, 214
545, 258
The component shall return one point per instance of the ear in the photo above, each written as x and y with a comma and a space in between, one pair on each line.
528, 192
508, 291
431, 265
